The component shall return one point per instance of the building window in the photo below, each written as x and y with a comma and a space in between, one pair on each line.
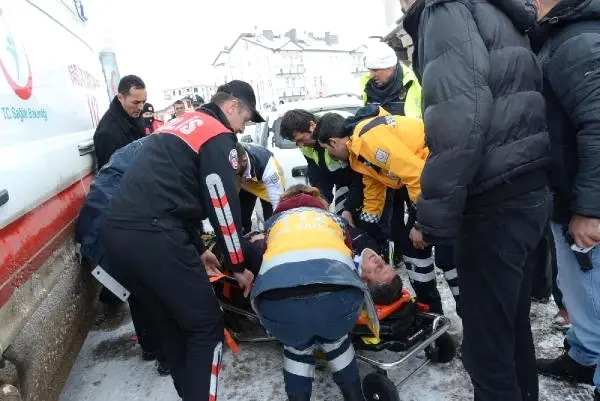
195, 90
179, 92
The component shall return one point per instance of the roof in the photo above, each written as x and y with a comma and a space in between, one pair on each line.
285, 43
324, 103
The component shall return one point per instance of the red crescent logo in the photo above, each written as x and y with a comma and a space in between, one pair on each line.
24, 92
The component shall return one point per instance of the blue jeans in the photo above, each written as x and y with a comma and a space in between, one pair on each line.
581, 296
317, 321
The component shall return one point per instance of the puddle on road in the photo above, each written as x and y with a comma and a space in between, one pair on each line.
122, 347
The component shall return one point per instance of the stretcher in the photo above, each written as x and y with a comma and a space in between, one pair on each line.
406, 330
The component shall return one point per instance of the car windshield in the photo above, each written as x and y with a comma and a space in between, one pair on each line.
286, 144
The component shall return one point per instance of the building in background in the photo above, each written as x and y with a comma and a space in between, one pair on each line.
291, 66
203, 90
400, 41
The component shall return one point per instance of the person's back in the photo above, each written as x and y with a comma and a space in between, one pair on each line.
175, 183
98, 200
493, 105
308, 293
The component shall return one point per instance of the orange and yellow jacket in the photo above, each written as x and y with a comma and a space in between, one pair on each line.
390, 152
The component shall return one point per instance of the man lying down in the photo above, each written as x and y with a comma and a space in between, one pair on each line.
384, 284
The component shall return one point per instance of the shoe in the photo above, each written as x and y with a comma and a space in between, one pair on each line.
162, 368
561, 320
541, 300
565, 368
353, 392
148, 356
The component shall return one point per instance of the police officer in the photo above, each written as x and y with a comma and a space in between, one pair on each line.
184, 173
390, 84
260, 176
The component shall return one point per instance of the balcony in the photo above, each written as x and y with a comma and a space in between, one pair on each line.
294, 70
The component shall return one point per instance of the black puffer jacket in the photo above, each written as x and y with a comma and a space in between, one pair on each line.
485, 120
568, 39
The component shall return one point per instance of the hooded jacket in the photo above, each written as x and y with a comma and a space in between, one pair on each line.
483, 109
568, 45
389, 152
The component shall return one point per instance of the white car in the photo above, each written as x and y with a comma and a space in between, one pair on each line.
288, 155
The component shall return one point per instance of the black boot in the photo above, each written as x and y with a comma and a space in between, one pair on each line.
162, 368
148, 355
565, 368
353, 392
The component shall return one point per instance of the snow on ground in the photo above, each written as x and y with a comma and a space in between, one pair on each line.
109, 368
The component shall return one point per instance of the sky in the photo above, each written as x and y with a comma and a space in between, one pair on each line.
170, 42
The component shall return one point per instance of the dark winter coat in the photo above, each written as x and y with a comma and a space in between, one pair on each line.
568, 40
115, 130
484, 113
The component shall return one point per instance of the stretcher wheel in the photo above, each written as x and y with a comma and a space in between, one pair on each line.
443, 350
377, 387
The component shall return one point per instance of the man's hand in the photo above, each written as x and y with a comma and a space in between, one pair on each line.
348, 216
585, 231
417, 239
211, 263
245, 280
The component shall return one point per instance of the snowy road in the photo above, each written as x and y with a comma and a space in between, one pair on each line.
109, 368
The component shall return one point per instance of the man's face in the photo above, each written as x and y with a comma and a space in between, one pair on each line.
382, 76
179, 109
242, 164
337, 147
306, 138
374, 269
238, 114
133, 103
544, 7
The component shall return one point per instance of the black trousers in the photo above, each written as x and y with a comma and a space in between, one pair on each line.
495, 254
420, 263
170, 283
541, 286
247, 203
144, 330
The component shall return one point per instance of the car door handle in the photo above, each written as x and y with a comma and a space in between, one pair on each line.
85, 148
3, 196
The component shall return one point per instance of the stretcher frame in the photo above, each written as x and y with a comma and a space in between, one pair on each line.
377, 386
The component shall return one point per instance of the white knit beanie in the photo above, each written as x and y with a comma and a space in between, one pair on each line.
380, 55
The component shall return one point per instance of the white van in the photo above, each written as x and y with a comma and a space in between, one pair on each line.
286, 152
52, 95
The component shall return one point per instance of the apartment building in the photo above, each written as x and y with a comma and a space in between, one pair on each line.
291, 66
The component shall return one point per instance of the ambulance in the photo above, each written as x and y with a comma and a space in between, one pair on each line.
54, 87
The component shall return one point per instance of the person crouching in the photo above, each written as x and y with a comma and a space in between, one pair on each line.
308, 293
